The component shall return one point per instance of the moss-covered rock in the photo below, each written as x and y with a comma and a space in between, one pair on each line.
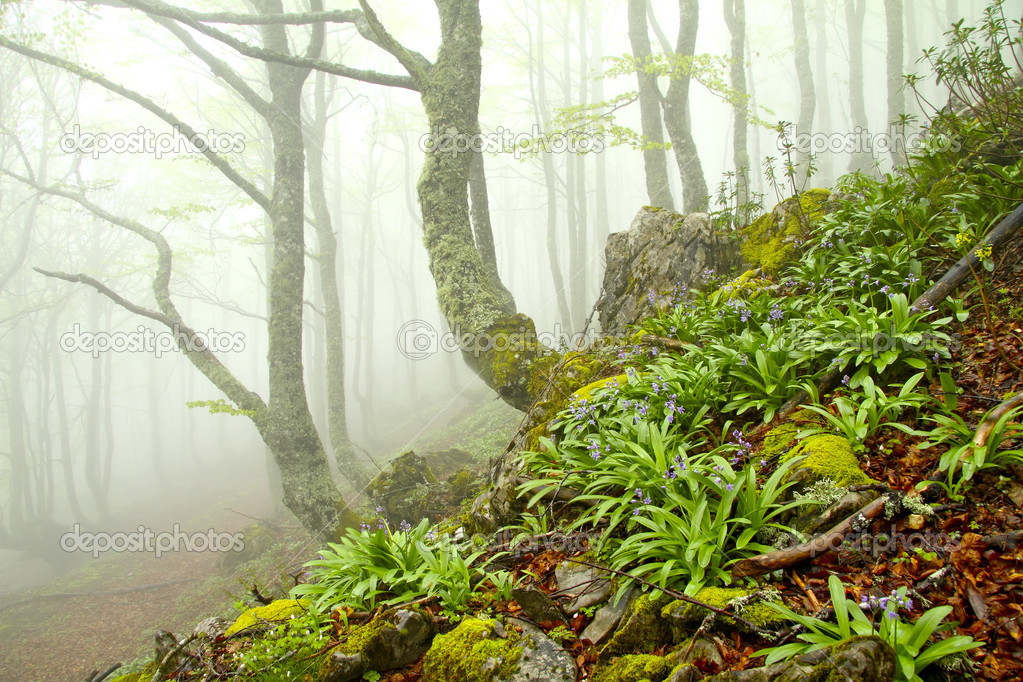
747, 285
769, 241
633, 668
257, 539
684, 618
643, 628
827, 456
281, 609
478, 650
393, 639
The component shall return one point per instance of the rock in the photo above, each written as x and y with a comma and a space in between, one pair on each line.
684, 618
915, 521
537, 605
542, 659
280, 609
827, 456
864, 659
482, 650
393, 639
210, 628
257, 538
607, 618
642, 630
660, 252
583, 585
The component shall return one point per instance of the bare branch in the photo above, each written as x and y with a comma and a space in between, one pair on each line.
218, 161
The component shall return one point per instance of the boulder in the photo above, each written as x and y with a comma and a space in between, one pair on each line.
393, 639
661, 254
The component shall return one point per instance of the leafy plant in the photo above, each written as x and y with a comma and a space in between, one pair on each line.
371, 567
862, 414
907, 639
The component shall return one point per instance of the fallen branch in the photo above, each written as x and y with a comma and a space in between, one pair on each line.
784, 558
988, 425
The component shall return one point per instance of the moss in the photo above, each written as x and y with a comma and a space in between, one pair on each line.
829, 456
472, 652
685, 617
280, 609
143, 675
587, 391
643, 629
938, 195
769, 239
831, 669
633, 668
746, 285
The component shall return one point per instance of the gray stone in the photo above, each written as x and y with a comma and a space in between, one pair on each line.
542, 658
537, 605
211, 628
399, 637
660, 250
864, 659
607, 619
583, 585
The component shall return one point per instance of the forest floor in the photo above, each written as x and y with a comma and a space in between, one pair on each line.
108, 610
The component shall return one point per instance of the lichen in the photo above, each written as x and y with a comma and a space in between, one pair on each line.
633, 668
472, 652
280, 609
829, 456
769, 240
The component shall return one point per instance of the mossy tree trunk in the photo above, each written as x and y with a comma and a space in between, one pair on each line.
854, 11
735, 18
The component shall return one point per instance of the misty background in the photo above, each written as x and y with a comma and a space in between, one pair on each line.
85, 436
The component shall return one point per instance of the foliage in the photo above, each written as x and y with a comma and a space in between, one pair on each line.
371, 567
279, 653
907, 639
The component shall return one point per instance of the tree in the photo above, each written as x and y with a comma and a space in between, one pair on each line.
654, 161
896, 97
677, 118
807, 96
854, 11
735, 19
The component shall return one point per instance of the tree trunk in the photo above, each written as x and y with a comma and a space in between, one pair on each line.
309, 490
854, 11
735, 19
655, 163
676, 114
481, 226
807, 97
602, 222
824, 160
327, 256
896, 98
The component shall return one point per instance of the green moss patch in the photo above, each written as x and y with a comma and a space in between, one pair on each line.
769, 240
829, 456
472, 652
684, 617
281, 609
634, 668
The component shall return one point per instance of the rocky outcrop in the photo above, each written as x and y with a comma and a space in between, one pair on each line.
392, 640
661, 254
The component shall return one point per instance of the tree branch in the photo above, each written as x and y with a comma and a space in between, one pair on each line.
218, 161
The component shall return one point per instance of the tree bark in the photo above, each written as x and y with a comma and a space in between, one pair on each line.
807, 96
655, 163
854, 11
896, 97
735, 19
677, 118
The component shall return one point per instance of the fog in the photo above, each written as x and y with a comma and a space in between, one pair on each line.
95, 426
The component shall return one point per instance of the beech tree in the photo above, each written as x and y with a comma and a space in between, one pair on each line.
468, 292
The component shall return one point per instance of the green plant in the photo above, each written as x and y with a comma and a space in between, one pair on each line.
862, 414
279, 652
371, 567
907, 639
